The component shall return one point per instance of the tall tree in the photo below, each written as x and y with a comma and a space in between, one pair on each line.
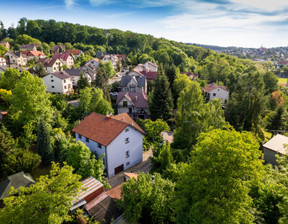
215, 186
194, 116
30, 101
101, 81
160, 99
46, 201
247, 103
45, 149
82, 82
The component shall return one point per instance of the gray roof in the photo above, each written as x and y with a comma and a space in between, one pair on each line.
61, 75
3, 68
138, 100
126, 79
73, 72
16, 180
278, 144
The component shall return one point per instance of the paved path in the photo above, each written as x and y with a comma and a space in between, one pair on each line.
145, 166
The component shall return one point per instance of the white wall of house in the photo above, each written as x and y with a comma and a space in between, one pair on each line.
218, 93
2, 61
69, 62
92, 63
56, 67
116, 151
75, 79
270, 156
19, 61
121, 108
56, 85
151, 67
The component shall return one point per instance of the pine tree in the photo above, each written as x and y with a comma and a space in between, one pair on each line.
101, 82
45, 149
161, 102
83, 82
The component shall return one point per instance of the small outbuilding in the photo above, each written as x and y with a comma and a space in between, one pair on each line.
278, 145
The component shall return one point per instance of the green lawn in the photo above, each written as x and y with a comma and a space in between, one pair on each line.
282, 80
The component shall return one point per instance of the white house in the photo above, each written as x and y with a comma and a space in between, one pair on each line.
30, 55
118, 137
112, 58
213, 91
58, 82
16, 58
93, 63
2, 61
133, 103
51, 64
152, 66
275, 146
66, 57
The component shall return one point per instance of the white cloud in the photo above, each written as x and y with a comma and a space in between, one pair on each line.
268, 5
101, 2
69, 3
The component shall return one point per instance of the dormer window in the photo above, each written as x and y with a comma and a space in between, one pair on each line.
126, 129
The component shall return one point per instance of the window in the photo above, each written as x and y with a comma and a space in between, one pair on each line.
79, 136
127, 154
125, 103
128, 163
64, 80
87, 139
126, 129
214, 94
65, 87
52, 80
126, 140
52, 87
51, 76
99, 145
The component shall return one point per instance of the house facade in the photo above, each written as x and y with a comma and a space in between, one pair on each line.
75, 52
66, 58
112, 58
133, 84
58, 82
29, 47
16, 57
51, 64
133, 103
30, 55
213, 91
118, 138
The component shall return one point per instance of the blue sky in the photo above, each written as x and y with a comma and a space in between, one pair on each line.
242, 23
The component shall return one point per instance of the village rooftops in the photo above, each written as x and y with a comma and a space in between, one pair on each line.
104, 129
127, 78
73, 72
63, 56
212, 86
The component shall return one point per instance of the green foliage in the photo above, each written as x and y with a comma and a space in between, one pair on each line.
153, 131
247, 103
10, 78
160, 99
40, 70
102, 80
194, 116
5, 95
271, 82
45, 149
83, 82
26, 39
3, 50
46, 201
30, 101
147, 200
19, 160
164, 160
215, 186
79, 156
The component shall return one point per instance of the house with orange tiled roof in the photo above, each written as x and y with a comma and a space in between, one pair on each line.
75, 52
33, 54
212, 91
117, 138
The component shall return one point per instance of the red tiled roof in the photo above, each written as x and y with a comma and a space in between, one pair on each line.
74, 51
149, 75
139, 100
47, 62
63, 56
115, 192
212, 86
102, 129
33, 53
90, 185
124, 117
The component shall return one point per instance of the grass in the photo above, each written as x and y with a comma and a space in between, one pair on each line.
282, 80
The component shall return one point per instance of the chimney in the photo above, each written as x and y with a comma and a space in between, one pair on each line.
108, 117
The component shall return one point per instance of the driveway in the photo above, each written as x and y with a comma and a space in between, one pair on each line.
145, 166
